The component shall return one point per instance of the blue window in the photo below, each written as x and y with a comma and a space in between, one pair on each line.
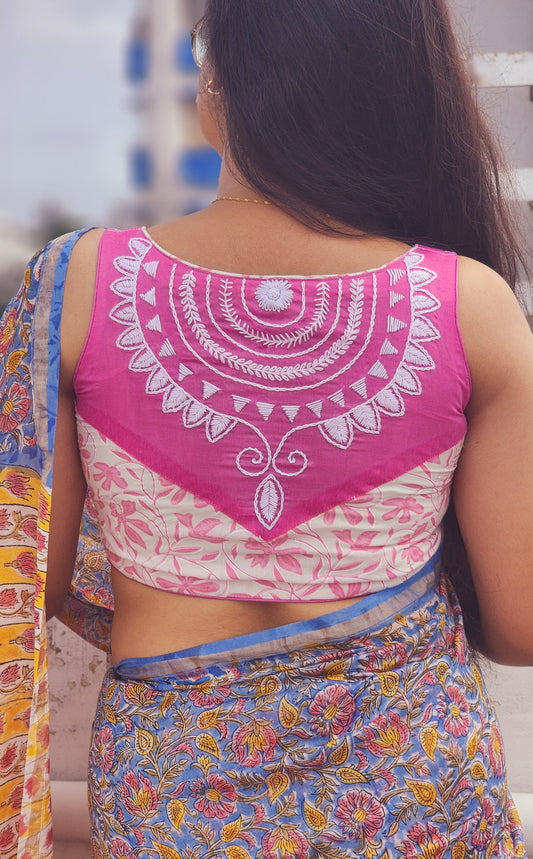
183, 56
200, 167
137, 60
142, 168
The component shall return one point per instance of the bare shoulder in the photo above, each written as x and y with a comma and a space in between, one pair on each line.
495, 332
78, 299
493, 484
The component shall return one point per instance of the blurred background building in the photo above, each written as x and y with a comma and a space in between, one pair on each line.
172, 169
148, 131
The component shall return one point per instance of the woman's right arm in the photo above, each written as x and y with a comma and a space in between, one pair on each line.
493, 486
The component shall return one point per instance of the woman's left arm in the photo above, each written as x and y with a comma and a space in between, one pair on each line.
69, 487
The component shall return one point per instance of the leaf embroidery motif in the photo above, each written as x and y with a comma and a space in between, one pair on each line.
269, 501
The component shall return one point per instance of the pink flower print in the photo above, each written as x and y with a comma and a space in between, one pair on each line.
5, 521
8, 598
261, 554
14, 407
455, 712
424, 841
387, 658
25, 563
121, 850
285, 842
17, 484
138, 795
131, 526
15, 797
412, 555
402, 509
387, 736
333, 711
7, 837
8, 758
103, 750
44, 508
254, 742
26, 640
496, 751
10, 675
360, 814
29, 526
216, 797
209, 693
109, 474
483, 824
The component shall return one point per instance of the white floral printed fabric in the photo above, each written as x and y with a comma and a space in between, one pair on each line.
163, 536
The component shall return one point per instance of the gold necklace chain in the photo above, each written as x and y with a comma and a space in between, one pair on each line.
243, 200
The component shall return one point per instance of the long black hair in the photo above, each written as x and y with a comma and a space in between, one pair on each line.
360, 116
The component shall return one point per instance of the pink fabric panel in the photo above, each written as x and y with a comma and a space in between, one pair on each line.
273, 398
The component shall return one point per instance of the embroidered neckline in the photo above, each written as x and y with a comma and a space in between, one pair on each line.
307, 277
199, 361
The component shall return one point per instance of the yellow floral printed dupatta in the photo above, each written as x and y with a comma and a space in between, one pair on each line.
29, 373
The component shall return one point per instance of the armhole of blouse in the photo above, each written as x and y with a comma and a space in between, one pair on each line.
462, 350
79, 365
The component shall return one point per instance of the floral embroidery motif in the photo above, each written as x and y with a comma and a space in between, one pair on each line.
159, 534
274, 295
228, 369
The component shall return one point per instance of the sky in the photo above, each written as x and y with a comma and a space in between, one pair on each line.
66, 123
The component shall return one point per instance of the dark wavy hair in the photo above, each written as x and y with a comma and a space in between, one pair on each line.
360, 116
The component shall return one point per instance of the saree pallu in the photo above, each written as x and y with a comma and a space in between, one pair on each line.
29, 379
366, 732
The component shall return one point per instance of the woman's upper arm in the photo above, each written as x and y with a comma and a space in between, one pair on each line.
493, 486
68, 488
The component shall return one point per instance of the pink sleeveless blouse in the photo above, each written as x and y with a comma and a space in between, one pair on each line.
289, 438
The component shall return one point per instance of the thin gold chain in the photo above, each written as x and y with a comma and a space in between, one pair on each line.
243, 200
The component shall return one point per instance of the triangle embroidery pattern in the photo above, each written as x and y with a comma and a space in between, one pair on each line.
167, 350
395, 274
395, 297
155, 324
183, 371
379, 371
149, 297
265, 409
316, 408
209, 390
240, 402
291, 412
360, 388
151, 267
394, 325
338, 398
388, 349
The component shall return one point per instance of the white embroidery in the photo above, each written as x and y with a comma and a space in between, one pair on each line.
209, 390
290, 340
274, 295
269, 500
360, 388
272, 372
265, 409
